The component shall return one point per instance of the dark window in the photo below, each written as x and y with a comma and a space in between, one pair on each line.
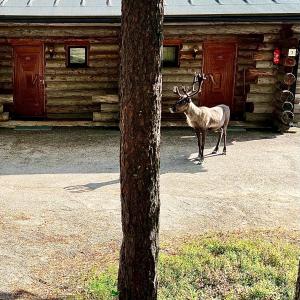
77, 56
171, 56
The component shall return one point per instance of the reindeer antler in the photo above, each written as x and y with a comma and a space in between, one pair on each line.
198, 78
176, 91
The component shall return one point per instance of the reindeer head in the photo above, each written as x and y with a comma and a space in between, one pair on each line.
185, 99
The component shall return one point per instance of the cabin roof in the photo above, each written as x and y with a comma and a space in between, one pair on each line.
112, 8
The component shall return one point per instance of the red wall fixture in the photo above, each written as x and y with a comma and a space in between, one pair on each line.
276, 56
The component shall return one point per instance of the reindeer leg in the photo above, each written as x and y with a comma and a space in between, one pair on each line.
203, 132
198, 133
218, 143
225, 140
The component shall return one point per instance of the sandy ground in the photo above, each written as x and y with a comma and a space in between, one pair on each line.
60, 205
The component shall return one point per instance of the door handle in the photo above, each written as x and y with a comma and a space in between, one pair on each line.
34, 81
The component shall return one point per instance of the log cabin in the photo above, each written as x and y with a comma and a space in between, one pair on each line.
59, 59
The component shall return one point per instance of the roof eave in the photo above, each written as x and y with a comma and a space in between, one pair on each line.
290, 18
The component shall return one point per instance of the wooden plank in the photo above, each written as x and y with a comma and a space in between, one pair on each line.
221, 29
110, 99
66, 109
75, 100
4, 116
262, 89
80, 85
8, 98
258, 117
113, 108
263, 108
82, 78
266, 80
259, 98
75, 116
104, 116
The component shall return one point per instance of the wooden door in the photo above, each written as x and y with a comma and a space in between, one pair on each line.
219, 59
29, 95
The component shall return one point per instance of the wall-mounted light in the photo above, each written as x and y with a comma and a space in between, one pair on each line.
51, 51
195, 51
276, 56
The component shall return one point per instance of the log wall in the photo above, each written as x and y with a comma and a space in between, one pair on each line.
70, 92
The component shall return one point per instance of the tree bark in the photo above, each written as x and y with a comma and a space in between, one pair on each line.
297, 293
140, 92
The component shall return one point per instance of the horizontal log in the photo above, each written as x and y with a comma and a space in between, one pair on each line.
180, 71
111, 63
6, 77
264, 64
221, 29
252, 73
263, 55
93, 47
251, 117
4, 116
296, 28
271, 38
266, 46
245, 61
113, 108
61, 109
110, 99
35, 32
70, 116
53, 85
82, 78
297, 109
178, 79
92, 56
262, 89
74, 100
52, 93
103, 116
80, 71
263, 108
1, 108
266, 80
259, 98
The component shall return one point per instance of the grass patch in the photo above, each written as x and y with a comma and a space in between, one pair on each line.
218, 267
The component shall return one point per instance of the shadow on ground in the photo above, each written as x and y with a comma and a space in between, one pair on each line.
86, 150
22, 294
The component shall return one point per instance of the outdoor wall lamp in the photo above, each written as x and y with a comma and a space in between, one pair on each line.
195, 51
51, 51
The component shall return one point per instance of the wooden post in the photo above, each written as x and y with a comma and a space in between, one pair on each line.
140, 93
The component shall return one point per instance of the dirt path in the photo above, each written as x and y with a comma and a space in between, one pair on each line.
60, 207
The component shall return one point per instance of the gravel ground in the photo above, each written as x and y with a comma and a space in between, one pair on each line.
60, 206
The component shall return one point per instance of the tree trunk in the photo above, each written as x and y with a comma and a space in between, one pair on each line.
140, 91
297, 294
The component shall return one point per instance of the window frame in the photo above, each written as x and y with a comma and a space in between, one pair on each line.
73, 45
177, 44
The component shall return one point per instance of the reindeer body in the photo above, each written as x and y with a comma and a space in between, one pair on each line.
202, 118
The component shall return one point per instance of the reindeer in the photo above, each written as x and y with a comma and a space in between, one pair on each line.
202, 118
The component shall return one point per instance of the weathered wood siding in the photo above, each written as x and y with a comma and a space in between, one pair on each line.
6, 74
70, 92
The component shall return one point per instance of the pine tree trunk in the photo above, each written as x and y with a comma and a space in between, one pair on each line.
140, 91
297, 294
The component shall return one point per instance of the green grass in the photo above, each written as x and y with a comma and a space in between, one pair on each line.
218, 267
